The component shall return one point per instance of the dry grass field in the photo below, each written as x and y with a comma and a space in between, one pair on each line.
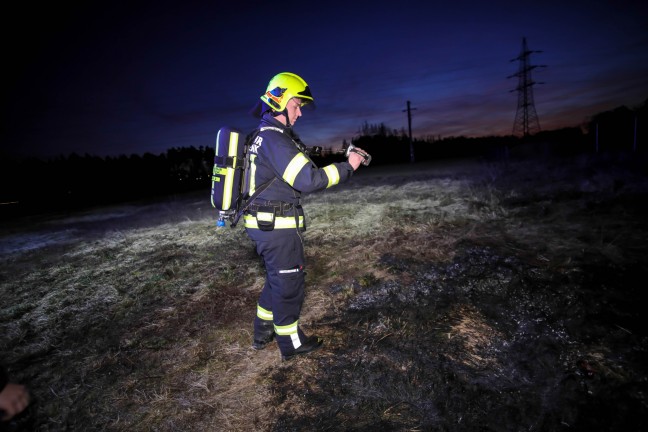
452, 296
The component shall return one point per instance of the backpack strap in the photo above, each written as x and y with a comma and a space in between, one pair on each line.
228, 161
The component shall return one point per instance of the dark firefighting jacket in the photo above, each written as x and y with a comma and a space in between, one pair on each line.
280, 167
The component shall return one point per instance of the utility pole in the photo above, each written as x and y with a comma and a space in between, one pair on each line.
526, 118
634, 138
409, 124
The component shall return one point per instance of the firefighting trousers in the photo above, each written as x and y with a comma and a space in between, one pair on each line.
282, 296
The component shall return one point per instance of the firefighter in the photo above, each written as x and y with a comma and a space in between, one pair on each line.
282, 171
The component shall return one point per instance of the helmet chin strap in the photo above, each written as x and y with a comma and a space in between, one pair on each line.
285, 114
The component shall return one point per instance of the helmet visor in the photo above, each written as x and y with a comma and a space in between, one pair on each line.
306, 97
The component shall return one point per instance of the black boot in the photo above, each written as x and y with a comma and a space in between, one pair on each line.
311, 344
263, 337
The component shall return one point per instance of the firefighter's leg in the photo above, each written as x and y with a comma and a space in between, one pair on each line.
283, 255
287, 288
263, 322
287, 302
268, 246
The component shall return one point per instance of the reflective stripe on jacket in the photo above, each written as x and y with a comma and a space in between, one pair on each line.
280, 222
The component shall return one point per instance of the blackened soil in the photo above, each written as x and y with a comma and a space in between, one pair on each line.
486, 343
492, 341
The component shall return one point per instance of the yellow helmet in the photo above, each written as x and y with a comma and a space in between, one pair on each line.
283, 87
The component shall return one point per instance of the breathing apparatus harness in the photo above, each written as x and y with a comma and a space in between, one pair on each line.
248, 203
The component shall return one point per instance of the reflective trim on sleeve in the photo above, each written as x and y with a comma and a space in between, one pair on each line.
264, 314
282, 222
293, 168
287, 330
333, 175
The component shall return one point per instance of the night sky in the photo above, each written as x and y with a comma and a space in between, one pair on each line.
134, 77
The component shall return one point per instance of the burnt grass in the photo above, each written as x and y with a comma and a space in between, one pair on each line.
534, 369
507, 336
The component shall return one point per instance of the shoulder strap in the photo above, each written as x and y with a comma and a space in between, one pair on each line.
246, 161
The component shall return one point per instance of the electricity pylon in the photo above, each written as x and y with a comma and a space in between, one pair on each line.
526, 119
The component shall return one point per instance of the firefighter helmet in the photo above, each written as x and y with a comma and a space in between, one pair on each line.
283, 87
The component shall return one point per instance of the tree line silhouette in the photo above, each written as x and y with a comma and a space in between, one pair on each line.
33, 185
620, 129
71, 182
